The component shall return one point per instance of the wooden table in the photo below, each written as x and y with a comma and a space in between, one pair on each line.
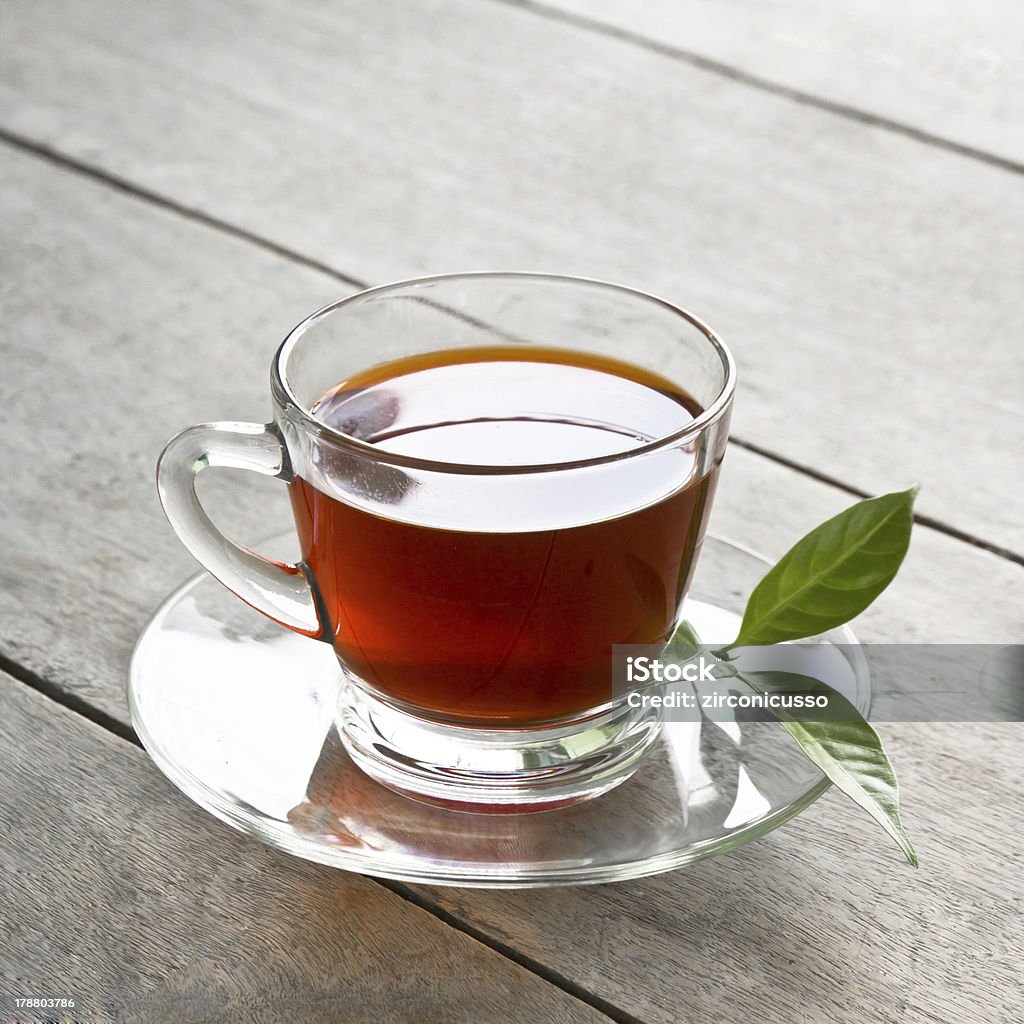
837, 187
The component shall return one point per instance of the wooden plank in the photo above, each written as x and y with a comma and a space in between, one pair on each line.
117, 894
867, 282
944, 67
820, 922
146, 334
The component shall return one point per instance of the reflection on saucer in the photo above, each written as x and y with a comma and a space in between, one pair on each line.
240, 714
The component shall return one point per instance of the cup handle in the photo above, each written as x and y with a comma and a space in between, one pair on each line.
280, 590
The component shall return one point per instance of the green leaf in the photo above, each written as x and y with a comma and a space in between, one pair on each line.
683, 644
833, 573
845, 747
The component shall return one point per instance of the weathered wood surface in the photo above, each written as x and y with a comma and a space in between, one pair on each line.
951, 69
122, 326
116, 894
867, 282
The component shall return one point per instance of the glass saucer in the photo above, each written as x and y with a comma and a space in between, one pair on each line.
239, 713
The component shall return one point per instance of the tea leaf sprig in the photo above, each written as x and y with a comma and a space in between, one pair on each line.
823, 581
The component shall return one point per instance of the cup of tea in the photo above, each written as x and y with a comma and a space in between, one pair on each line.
495, 478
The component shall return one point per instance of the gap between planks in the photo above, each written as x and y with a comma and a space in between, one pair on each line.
123, 185
72, 702
745, 78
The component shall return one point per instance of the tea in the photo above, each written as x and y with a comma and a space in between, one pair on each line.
503, 611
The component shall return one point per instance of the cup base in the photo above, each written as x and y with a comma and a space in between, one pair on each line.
495, 771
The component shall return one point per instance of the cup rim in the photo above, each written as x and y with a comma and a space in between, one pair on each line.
287, 399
